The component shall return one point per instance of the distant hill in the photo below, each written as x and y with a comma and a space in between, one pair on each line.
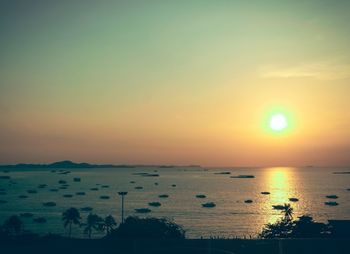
65, 164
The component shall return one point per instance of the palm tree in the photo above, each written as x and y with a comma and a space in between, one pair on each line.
13, 225
109, 224
71, 216
93, 221
288, 212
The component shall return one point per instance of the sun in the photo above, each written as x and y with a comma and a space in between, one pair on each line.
278, 122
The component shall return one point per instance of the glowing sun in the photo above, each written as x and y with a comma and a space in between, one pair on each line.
278, 122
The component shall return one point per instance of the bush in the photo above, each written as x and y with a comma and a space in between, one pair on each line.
135, 227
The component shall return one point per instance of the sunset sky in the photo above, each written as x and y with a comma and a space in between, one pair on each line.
175, 82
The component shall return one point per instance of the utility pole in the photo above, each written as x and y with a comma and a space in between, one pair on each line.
122, 194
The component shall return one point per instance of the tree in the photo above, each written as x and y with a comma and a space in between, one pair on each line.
13, 225
288, 212
93, 222
281, 229
109, 224
303, 227
134, 227
71, 216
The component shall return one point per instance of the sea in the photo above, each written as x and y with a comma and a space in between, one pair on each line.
231, 215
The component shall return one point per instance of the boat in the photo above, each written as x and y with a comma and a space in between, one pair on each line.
104, 197
143, 210
265, 193
40, 220
80, 193
86, 209
32, 191
243, 176
331, 203
94, 189
293, 199
248, 201
67, 195
76, 179
332, 196
163, 196
209, 205
201, 196
138, 188
49, 204
26, 215
154, 204
278, 207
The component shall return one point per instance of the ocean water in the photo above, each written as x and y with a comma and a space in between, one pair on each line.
231, 217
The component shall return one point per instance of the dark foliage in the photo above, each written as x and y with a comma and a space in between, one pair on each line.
303, 227
135, 227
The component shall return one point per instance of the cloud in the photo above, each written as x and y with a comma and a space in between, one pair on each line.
321, 71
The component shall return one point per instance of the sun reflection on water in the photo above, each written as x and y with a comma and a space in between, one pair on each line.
280, 182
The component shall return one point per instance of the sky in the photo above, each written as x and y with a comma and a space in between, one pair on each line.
175, 82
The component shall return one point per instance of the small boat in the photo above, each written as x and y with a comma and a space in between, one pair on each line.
67, 195
63, 187
173, 185
248, 201
76, 179
138, 188
143, 210
154, 204
32, 191
105, 186
86, 209
104, 197
41, 186
201, 196
49, 204
26, 215
22, 196
94, 189
278, 207
80, 193
332, 196
62, 182
223, 173
331, 203
54, 190
293, 199
40, 220
155, 183
209, 205
265, 193
163, 196
243, 176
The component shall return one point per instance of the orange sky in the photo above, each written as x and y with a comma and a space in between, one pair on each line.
175, 83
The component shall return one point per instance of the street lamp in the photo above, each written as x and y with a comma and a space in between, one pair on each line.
122, 194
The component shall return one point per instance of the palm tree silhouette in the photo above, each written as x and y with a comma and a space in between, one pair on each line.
288, 212
93, 221
13, 225
71, 216
109, 224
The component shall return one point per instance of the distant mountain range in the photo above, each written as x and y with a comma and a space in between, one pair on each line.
66, 164
71, 164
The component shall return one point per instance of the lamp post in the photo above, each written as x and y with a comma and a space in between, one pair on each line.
122, 194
